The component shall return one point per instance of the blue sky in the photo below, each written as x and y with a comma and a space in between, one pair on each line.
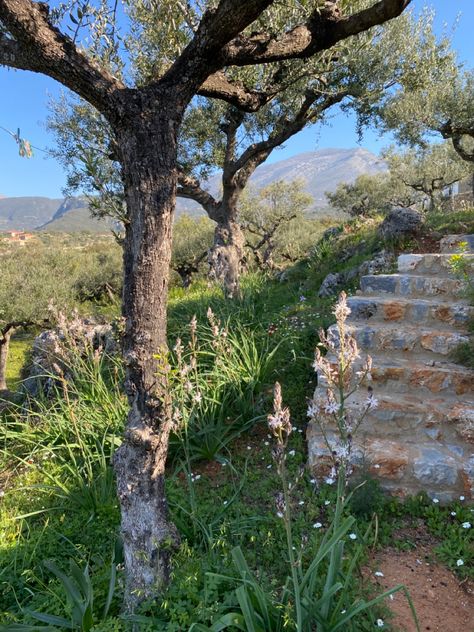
25, 97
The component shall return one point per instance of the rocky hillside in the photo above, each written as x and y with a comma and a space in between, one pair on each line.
321, 170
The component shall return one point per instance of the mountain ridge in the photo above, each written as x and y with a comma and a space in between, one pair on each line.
322, 170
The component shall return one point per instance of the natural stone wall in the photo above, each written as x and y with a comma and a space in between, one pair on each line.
421, 435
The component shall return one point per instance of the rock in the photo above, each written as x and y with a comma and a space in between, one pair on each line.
435, 469
335, 282
400, 222
331, 233
382, 262
54, 352
331, 284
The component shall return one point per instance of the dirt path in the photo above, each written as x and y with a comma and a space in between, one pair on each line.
442, 603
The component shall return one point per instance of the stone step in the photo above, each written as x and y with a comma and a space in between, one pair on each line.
404, 466
415, 310
450, 243
400, 375
418, 418
411, 285
430, 264
382, 337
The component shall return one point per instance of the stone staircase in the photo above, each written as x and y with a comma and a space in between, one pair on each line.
421, 435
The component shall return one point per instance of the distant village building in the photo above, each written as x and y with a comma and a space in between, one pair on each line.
17, 237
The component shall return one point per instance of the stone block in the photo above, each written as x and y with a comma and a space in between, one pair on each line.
435, 469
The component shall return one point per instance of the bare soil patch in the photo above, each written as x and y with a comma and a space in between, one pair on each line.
442, 602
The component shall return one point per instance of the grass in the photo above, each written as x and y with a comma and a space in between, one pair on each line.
55, 465
20, 347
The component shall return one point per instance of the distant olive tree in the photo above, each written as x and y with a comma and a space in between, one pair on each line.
192, 241
267, 217
100, 273
31, 279
371, 194
428, 171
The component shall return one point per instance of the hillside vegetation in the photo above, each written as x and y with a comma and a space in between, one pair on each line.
59, 520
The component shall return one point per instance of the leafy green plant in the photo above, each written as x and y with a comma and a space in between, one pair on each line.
83, 616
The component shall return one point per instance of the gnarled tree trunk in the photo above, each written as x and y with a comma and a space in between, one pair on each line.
226, 255
4, 347
148, 157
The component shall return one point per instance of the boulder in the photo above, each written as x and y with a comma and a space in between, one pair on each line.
400, 222
54, 351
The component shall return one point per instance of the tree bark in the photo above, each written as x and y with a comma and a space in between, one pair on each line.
4, 347
226, 255
148, 156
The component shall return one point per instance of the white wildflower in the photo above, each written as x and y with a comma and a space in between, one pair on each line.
371, 402
461, 498
292, 452
280, 514
466, 525
436, 501
380, 623
352, 536
460, 563
331, 407
378, 574
327, 502
301, 503
317, 525
453, 513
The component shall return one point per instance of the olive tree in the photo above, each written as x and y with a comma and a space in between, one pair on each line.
31, 279
196, 47
428, 171
268, 216
192, 241
371, 194
228, 137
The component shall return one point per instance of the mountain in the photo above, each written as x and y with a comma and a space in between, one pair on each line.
26, 213
321, 171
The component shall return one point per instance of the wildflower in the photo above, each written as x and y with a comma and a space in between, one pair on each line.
329, 481
371, 402
378, 574
249, 447
453, 513
352, 536
317, 525
313, 409
266, 443
2, 493
279, 422
460, 563
269, 467
436, 501
197, 398
331, 408
327, 502
380, 623
461, 498
313, 481
280, 514
225, 502
466, 525
302, 299
301, 503
193, 324
341, 310
292, 452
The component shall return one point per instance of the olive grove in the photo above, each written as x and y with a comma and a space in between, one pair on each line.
196, 48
